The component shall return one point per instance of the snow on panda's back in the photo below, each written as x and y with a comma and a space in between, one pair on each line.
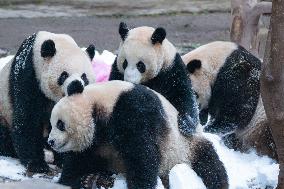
225, 77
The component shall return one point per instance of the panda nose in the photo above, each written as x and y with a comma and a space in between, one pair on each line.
75, 87
51, 143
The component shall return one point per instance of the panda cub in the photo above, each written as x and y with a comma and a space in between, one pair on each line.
225, 77
122, 127
146, 57
45, 68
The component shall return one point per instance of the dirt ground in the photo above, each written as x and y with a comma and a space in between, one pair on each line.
183, 30
188, 22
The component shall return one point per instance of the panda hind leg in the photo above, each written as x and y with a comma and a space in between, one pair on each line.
208, 166
6, 144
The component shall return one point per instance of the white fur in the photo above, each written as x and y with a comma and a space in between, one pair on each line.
138, 47
212, 57
132, 74
5, 105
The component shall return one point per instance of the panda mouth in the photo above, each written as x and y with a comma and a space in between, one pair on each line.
57, 148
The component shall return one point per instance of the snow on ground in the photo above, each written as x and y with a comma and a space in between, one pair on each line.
245, 170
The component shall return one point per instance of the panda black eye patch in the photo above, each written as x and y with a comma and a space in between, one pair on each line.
62, 78
141, 67
85, 79
124, 65
60, 125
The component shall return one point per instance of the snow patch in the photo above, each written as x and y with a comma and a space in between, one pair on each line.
182, 176
246, 170
12, 169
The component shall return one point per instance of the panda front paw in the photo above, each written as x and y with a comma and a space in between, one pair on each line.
186, 125
101, 180
87, 181
37, 167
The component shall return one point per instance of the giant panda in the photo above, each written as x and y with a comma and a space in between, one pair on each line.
128, 128
225, 77
45, 68
146, 57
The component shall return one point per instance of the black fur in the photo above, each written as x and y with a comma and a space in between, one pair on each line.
235, 93
64, 75
115, 74
144, 125
48, 49
85, 79
91, 50
158, 36
175, 85
77, 165
6, 144
203, 116
193, 65
29, 105
75, 87
123, 30
208, 166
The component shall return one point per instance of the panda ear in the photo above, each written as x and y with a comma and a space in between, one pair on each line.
158, 36
48, 49
91, 50
193, 65
123, 30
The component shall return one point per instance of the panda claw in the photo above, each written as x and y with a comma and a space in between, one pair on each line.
37, 167
88, 181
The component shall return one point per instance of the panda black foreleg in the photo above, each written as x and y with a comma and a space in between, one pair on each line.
142, 167
74, 167
6, 144
208, 166
141, 159
28, 140
78, 165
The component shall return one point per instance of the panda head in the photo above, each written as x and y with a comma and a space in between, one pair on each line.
143, 53
72, 124
200, 80
61, 66
203, 65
